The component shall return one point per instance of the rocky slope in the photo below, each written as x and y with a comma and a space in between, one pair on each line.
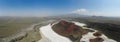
110, 30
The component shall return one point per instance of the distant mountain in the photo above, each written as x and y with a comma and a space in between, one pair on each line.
70, 15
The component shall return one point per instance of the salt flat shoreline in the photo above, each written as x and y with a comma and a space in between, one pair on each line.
47, 38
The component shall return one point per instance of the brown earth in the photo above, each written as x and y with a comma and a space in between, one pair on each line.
70, 30
97, 40
97, 34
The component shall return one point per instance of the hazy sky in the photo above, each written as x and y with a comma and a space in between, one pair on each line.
56, 7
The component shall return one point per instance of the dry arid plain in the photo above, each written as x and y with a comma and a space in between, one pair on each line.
29, 29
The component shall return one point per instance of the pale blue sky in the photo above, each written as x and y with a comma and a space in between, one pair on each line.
56, 7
